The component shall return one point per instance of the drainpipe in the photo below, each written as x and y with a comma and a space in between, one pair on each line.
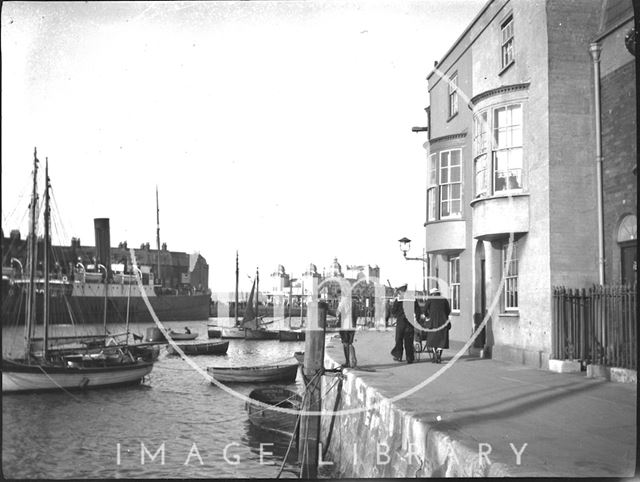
595, 50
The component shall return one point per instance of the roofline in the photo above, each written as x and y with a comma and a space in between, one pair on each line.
605, 33
462, 35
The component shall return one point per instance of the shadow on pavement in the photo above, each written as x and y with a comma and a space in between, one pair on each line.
490, 411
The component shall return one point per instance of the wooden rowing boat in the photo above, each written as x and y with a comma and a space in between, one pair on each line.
182, 336
256, 374
274, 420
201, 348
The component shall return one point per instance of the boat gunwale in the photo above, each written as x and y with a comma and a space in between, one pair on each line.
11, 366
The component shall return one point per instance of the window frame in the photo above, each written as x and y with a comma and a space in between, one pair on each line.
454, 286
481, 151
509, 148
511, 275
485, 145
507, 47
453, 94
432, 187
436, 189
449, 184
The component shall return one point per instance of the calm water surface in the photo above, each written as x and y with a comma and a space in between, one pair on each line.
76, 435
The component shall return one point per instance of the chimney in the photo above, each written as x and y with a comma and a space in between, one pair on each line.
103, 243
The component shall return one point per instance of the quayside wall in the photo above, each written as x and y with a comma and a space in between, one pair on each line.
385, 441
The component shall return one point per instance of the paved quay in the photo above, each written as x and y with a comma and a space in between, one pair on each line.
485, 411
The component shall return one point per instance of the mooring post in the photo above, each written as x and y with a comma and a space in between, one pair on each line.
312, 370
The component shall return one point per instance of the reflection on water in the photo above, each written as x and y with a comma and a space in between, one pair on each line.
199, 429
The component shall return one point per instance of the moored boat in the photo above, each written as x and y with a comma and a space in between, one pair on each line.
78, 286
201, 348
176, 335
291, 335
77, 372
233, 332
274, 420
260, 334
214, 331
256, 374
84, 364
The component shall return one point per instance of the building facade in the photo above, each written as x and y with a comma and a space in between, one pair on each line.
512, 183
180, 272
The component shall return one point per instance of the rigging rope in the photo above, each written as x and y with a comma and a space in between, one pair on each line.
59, 386
293, 436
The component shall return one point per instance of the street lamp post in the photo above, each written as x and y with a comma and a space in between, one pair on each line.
405, 245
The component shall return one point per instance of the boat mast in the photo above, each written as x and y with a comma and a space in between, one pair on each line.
47, 244
31, 258
128, 306
158, 231
237, 275
257, 291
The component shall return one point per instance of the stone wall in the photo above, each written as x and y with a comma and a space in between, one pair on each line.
384, 441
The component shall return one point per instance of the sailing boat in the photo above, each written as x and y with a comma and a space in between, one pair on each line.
236, 331
253, 327
44, 367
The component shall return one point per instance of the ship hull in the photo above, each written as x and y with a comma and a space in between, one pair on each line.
90, 309
21, 378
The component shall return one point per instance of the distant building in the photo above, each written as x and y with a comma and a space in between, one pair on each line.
179, 271
361, 281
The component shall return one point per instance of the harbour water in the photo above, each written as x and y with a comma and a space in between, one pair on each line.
202, 430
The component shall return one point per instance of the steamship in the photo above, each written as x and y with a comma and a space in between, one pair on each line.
92, 284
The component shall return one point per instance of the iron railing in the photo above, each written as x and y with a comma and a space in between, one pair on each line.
596, 325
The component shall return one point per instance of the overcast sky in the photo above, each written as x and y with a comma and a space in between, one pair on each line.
280, 129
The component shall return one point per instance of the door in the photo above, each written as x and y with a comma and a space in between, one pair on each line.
628, 258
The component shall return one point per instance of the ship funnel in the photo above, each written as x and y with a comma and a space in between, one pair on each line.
103, 243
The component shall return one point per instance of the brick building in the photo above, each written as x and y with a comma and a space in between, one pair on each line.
512, 155
180, 272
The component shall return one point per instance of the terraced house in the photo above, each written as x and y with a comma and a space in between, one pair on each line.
531, 135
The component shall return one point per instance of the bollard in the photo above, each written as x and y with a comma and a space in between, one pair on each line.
312, 371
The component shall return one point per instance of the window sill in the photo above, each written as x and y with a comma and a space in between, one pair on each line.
455, 313
510, 314
444, 220
506, 67
478, 200
452, 116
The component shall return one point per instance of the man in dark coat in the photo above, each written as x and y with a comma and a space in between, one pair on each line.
347, 335
404, 329
437, 311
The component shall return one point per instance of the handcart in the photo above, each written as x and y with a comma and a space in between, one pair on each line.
420, 345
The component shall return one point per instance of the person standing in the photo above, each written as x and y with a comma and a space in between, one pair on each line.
348, 311
437, 311
404, 329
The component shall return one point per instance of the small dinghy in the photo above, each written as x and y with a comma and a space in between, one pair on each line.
256, 374
274, 420
201, 348
175, 335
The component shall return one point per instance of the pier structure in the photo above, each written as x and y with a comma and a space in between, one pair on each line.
479, 417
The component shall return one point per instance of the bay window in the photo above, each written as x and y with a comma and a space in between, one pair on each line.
507, 148
480, 143
502, 171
